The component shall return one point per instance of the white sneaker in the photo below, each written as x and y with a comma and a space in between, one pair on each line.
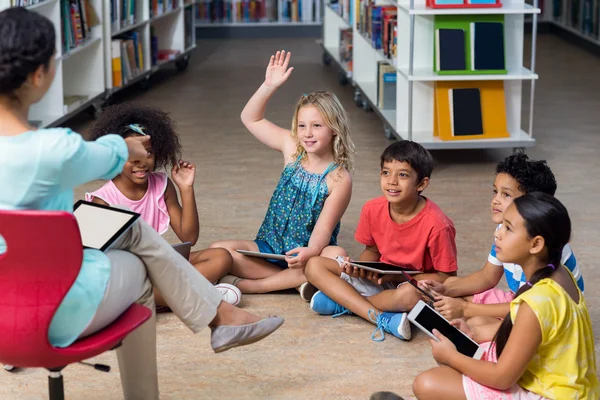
9, 367
229, 293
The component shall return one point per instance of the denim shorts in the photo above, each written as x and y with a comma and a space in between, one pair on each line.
264, 247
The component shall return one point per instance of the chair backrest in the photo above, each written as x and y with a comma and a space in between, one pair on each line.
42, 259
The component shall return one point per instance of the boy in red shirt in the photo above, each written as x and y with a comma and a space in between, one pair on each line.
402, 228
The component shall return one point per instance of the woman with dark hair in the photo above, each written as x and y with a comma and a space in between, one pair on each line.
39, 170
544, 348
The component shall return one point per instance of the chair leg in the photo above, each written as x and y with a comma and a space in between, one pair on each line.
56, 388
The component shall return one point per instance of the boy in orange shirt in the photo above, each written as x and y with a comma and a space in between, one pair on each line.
402, 228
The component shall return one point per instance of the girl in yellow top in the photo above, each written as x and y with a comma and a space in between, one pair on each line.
544, 349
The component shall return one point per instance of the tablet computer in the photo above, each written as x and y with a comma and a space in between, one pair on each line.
415, 284
380, 267
269, 256
427, 319
184, 249
101, 226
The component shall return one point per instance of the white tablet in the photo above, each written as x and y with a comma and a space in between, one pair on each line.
427, 319
101, 226
268, 256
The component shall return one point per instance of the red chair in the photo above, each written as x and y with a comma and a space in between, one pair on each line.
42, 259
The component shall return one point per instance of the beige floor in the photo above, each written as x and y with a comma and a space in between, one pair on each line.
311, 356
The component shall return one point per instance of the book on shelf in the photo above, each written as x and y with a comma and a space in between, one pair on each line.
72, 102
346, 47
245, 11
159, 7
469, 44
469, 110
78, 17
386, 86
378, 25
128, 55
188, 27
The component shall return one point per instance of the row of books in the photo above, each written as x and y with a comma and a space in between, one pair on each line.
221, 11
379, 25
469, 44
581, 15
125, 12
127, 54
78, 17
25, 3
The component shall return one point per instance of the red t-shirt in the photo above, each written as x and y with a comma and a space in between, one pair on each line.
426, 242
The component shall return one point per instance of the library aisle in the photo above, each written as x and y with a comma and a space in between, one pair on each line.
312, 356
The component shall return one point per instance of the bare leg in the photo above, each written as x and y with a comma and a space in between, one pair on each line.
213, 264
259, 275
402, 299
439, 383
324, 273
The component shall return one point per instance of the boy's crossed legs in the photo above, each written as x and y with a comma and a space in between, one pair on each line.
384, 305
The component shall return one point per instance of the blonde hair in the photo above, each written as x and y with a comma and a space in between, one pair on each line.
336, 119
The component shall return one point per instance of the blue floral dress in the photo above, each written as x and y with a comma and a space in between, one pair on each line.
295, 208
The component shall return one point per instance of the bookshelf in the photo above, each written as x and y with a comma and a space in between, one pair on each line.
412, 56
84, 69
145, 36
337, 32
579, 18
79, 81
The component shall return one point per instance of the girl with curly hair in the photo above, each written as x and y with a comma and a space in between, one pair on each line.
143, 188
314, 190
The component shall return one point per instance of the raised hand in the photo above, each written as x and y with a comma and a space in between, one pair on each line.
183, 174
277, 70
138, 147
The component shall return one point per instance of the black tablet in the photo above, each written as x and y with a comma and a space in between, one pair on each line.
101, 226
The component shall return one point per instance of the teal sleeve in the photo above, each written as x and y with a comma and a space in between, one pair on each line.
75, 161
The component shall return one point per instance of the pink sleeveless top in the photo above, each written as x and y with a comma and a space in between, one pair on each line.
151, 207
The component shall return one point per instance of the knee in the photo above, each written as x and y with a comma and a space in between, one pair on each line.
222, 256
424, 385
333, 252
313, 266
221, 245
408, 295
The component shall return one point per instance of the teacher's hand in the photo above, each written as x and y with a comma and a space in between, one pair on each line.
138, 147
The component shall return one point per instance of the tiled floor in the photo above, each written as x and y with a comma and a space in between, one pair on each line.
311, 356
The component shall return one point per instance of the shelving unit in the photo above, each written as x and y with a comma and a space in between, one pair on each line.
333, 23
84, 73
173, 32
413, 116
581, 19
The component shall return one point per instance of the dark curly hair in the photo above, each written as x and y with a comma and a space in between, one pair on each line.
532, 176
27, 41
158, 125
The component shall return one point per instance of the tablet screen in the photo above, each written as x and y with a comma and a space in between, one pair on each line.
430, 320
99, 225
382, 266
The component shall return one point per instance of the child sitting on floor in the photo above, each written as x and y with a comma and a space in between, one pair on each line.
402, 228
544, 347
148, 191
515, 176
313, 192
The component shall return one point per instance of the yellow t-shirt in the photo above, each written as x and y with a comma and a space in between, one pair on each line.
564, 366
